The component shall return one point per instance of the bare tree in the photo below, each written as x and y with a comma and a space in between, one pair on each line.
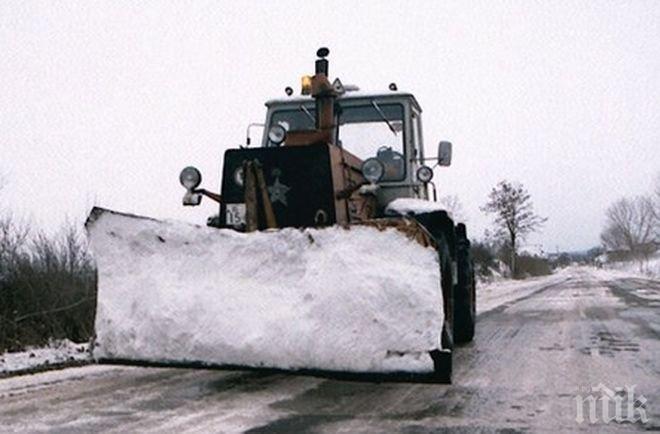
631, 227
514, 214
454, 207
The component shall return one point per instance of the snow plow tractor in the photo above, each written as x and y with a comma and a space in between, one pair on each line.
329, 253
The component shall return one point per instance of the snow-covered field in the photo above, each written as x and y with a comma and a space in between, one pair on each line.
648, 269
57, 353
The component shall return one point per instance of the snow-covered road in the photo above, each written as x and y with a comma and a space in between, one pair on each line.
539, 344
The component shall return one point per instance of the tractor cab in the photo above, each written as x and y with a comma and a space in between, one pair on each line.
383, 130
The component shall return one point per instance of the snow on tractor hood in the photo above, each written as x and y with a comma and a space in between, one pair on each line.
405, 206
354, 300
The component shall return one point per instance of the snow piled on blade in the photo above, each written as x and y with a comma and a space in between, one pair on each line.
358, 300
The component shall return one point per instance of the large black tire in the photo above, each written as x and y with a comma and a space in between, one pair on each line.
441, 228
465, 314
446, 283
443, 360
464, 328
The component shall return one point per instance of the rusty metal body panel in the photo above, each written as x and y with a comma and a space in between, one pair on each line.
303, 185
346, 173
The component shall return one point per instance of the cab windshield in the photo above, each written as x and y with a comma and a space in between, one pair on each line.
372, 129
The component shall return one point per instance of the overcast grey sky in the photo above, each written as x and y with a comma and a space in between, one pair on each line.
104, 102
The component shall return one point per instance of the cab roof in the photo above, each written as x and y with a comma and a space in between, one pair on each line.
350, 95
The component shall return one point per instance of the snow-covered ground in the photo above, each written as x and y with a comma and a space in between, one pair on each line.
57, 353
648, 269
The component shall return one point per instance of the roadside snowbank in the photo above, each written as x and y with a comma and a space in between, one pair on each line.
333, 299
56, 353
648, 269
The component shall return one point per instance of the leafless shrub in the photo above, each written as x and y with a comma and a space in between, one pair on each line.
484, 255
13, 239
47, 286
533, 265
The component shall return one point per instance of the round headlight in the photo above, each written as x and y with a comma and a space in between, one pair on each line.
190, 178
277, 134
425, 174
373, 170
238, 176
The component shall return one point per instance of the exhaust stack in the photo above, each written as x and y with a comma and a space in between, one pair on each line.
324, 94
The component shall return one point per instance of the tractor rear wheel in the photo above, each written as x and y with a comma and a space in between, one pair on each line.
465, 313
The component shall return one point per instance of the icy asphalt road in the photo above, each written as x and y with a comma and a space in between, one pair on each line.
533, 354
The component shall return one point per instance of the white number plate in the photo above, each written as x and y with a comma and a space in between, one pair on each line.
235, 214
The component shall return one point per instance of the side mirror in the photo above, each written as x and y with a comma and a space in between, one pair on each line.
444, 153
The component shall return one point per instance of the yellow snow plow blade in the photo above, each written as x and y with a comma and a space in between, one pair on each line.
359, 300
